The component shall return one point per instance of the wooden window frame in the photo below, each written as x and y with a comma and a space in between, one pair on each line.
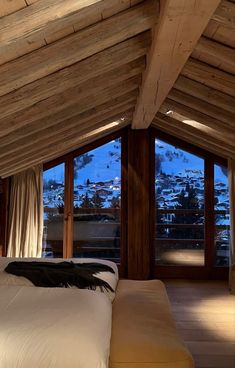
68, 193
209, 270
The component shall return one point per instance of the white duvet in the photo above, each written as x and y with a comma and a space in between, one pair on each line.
54, 328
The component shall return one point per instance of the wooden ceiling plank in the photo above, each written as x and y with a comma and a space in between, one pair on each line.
215, 54
181, 23
201, 91
187, 132
86, 140
49, 20
103, 104
75, 74
51, 134
203, 106
218, 126
7, 7
68, 144
225, 14
210, 76
220, 33
77, 47
44, 14
56, 103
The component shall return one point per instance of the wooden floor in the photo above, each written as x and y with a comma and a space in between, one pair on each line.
205, 317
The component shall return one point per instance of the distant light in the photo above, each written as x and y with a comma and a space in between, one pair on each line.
122, 119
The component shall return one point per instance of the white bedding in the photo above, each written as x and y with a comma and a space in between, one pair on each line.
54, 328
8, 279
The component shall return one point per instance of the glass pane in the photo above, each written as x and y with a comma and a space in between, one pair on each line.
97, 202
222, 221
53, 202
179, 188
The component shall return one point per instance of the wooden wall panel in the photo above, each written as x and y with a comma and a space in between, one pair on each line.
138, 205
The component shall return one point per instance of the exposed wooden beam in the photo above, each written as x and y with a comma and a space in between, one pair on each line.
74, 140
192, 134
94, 107
77, 47
209, 76
205, 93
73, 75
180, 25
27, 145
215, 54
50, 20
56, 103
204, 107
219, 127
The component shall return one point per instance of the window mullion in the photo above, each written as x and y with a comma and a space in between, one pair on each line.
68, 209
209, 214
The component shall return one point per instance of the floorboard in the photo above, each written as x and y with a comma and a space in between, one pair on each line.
205, 318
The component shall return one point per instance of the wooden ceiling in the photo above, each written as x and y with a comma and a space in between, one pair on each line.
200, 107
72, 71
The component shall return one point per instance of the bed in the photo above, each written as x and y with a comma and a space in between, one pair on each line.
59, 327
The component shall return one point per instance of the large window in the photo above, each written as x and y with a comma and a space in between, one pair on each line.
53, 201
82, 201
192, 209
179, 188
97, 202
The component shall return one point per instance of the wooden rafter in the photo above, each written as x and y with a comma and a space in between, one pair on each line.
80, 94
28, 144
215, 54
205, 93
94, 107
50, 15
219, 127
74, 139
180, 26
76, 47
100, 63
226, 118
189, 132
75, 127
8, 7
210, 76
225, 14
47, 21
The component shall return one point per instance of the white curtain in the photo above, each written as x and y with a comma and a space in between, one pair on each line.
231, 168
26, 214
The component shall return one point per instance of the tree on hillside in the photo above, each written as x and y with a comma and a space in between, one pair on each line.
97, 201
86, 202
187, 200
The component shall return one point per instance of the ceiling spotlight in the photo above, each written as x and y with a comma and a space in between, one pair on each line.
169, 112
